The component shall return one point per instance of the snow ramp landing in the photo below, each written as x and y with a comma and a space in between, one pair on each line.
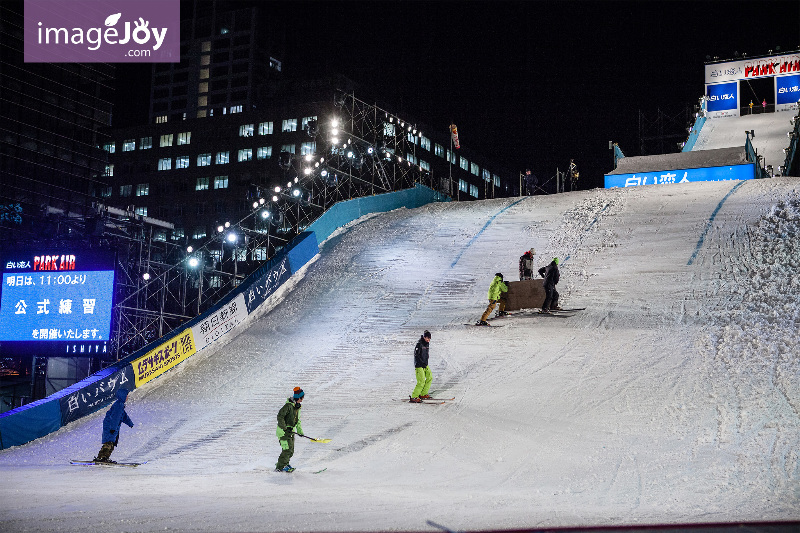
673, 398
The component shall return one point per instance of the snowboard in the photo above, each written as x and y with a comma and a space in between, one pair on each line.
99, 463
429, 402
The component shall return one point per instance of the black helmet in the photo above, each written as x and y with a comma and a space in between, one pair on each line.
499, 274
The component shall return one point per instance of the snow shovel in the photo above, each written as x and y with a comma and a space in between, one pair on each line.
323, 441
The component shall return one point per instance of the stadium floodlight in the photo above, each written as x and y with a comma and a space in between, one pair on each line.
296, 193
220, 229
146, 276
265, 214
306, 171
277, 188
227, 224
289, 185
309, 157
274, 198
261, 201
334, 123
324, 173
255, 205
232, 237
189, 249
193, 262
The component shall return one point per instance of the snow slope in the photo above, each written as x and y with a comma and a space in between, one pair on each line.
674, 398
769, 140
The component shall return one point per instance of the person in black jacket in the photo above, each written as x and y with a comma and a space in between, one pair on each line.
551, 276
422, 369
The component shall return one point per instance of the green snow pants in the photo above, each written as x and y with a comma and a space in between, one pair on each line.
287, 446
424, 378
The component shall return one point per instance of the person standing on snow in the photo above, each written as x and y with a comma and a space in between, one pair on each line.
551, 276
526, 265
497, 291
288, 425
422, 370
114, 418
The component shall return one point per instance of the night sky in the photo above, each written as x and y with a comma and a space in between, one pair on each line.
532, 83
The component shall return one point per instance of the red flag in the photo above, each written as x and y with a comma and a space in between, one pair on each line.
454, 133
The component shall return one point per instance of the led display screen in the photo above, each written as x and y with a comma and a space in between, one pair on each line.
56, 303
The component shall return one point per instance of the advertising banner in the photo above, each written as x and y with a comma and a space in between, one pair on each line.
94, 395
57, 303
102, 31
264, 286
722, 100
218, 324
744, 69
160, 359
736, 172
787, 92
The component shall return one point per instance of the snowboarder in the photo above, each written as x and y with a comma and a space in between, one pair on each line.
526, 265
422, 370
497, 291
288, 425
114, 418
551, 276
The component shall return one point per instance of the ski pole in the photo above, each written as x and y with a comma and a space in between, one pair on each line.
311, 438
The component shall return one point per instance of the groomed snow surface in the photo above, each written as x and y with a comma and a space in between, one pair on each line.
673, 398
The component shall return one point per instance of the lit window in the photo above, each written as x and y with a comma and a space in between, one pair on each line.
475, 169
473, 191
184, 138
308, 148
462, 185
223, 158
412, 138
487, 176
305, 121
143, 189
246, 130
166, 140
236, 109
199, 233
425, 143
288, 148
215, 282
145, 143
177, 234
411, 158
109, 170
388, 129
105, 192
496, 180
221, 182
424, 165
182, 161
452, 157
260, 253
202, 87
125, 190
203, 160
463, 163
289, 124
205, 46
265, 152
265, 128
203, 73
438, 150
165, 163
202, 113
160, 236
245, 154
161, 119
129, 145
141, 211
110, 147
205, 60
202, 184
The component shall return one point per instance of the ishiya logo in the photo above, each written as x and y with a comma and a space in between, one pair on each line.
102, 31
716, 97
95, 37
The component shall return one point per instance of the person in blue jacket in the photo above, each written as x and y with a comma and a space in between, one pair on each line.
111, 424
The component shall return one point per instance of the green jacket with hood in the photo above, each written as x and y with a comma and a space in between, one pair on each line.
496, 288
289, 416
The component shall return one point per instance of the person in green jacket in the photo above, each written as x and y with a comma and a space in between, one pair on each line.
288, 425
497, 291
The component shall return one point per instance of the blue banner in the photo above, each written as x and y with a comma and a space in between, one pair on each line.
662, 177
787, 89
263, 287
94, 392
722, 96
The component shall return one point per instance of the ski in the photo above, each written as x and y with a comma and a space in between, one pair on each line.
486, 325
429, 402
318, 471
101, 463
569, 310
426, 399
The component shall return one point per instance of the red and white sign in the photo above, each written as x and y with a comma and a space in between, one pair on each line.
746, 69
454, 134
